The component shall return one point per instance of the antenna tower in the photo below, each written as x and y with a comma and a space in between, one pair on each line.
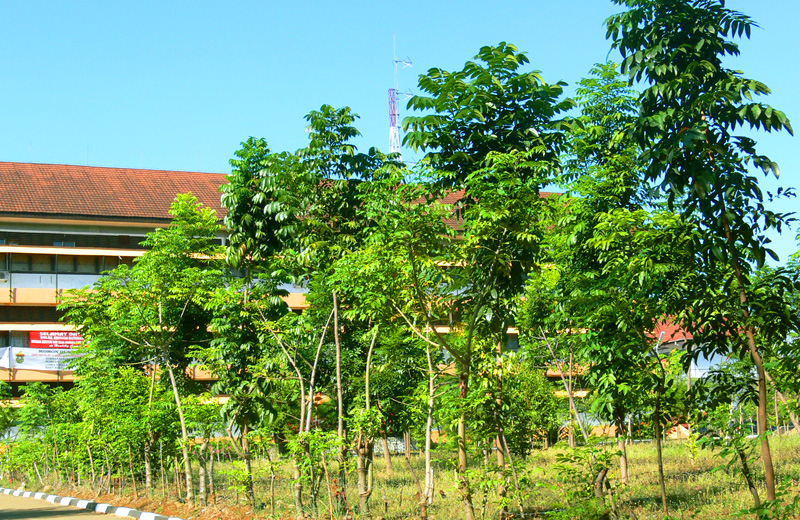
394, 123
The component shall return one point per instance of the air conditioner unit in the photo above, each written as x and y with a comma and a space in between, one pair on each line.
4, 276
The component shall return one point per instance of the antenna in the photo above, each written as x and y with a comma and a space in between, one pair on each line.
394, 124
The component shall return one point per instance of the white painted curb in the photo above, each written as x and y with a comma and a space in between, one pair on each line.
124, 512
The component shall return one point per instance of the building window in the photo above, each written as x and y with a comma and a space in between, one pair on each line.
88, 264
110, 262
62, 243
66, 264
3, 262
43, 263
20, 263
25, 263
20, 338
79, 264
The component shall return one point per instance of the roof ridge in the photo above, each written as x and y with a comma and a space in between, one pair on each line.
107, 167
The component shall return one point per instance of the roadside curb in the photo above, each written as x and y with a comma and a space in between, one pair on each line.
125, 512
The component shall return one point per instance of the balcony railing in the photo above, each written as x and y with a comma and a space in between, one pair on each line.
20, 375
52, 296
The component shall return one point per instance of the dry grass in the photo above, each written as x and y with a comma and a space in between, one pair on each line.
700, 489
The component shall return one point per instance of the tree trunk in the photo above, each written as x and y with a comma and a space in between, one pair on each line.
463, 480
91, 464
516, 477
339, 401
365, 443
623, 458
363, 463
177, 477
657, 422
502, 487
148, 467
748, 477
133, 475
766, 453
777, 415
297, 495
248, 466
623, 452
203, 472
426, 497
187, 462
387, 457
163, 472
212, 490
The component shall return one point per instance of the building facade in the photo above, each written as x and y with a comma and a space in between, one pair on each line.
61, 226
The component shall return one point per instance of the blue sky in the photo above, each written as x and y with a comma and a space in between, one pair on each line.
178, 85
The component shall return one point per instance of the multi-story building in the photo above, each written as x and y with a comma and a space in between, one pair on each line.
60, 227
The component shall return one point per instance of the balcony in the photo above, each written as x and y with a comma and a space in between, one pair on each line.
52, 296
19, 375
28, 296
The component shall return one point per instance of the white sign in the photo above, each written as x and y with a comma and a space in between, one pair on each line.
48, 359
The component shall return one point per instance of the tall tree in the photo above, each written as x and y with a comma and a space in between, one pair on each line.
689, 109
466, 274
603, 176
292, 216
492, 130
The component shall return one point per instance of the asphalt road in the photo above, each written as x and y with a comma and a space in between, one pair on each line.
19, 508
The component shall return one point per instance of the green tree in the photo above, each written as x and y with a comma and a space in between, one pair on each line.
293, 216
417, 268
689, 109
244, 361
490, 105
6, 411
389, 279
527, 384
775, 294
588, 294
154, 312
261, 204
120, 417
493, 131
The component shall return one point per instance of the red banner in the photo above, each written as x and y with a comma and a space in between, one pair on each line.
55, 339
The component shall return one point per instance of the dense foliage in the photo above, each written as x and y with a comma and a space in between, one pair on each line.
458, 305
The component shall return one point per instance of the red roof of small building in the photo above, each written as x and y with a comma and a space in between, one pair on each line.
453, 197
69, 191
672, 332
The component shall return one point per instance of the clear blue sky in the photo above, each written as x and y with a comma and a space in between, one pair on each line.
178, 85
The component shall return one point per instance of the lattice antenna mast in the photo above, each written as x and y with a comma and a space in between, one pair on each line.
394, 120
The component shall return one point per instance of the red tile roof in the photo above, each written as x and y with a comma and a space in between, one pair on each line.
453, 197
60, 190
672, 332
